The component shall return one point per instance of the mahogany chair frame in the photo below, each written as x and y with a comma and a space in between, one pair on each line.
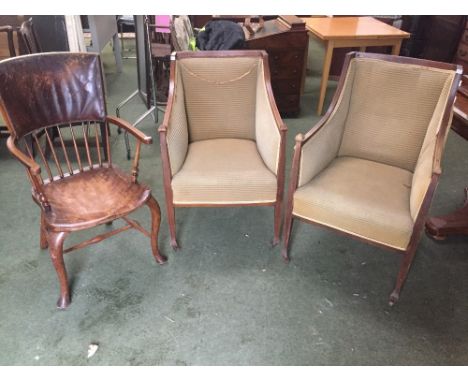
53, 234
300, 139
167, 177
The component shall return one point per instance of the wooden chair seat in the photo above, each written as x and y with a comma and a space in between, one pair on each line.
91, 198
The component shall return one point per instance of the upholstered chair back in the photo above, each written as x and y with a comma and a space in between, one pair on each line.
391, 109
221, 98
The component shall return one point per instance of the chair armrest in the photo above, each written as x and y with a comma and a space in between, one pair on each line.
130, 129
270, 131
173, 131
29, 163
319, 147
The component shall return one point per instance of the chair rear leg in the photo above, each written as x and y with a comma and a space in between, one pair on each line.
406, 262
55, 240
287, 227
43, 234
276, 237
155, 224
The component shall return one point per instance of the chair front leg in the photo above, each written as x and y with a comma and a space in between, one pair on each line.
155, 224
406, 262
287, 227
55, 240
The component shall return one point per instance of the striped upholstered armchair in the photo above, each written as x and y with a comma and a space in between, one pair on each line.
222, 138
370, 167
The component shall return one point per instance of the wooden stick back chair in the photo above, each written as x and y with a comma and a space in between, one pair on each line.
81, 188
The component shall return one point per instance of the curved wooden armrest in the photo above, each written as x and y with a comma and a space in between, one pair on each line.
130, 129
23, 158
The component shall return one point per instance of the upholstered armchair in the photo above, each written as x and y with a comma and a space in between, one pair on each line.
370, 167
222, 138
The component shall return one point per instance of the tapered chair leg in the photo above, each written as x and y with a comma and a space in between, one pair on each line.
155, 224
43, 234
55, 240
287, 227
172, 225
276, 237
402, 274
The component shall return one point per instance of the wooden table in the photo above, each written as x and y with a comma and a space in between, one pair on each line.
350, 32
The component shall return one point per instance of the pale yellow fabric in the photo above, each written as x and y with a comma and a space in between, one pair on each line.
177, 132
361, 197
425, 164
219, 171
267, 134
390, 110
323, 147
220, 96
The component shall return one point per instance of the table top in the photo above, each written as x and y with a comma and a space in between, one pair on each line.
333, 28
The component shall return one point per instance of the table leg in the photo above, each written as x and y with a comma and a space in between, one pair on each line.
325, 72
396, 48
362, 48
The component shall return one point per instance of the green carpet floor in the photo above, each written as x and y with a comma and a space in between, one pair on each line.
227, 298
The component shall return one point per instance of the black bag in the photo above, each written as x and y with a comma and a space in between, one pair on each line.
221, 35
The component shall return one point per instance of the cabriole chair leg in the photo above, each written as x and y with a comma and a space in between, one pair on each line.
155, 224
402, 274
56, 240
172, 226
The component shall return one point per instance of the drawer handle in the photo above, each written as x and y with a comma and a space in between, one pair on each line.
296, 56
462, 53
275, 58
294, 71
293, 86
275, 72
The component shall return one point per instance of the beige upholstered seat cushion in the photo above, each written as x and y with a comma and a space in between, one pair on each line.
361, 197
218, 171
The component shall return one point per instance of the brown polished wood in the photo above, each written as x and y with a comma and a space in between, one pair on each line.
409, 253
80, 190
350, 32
167, 177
